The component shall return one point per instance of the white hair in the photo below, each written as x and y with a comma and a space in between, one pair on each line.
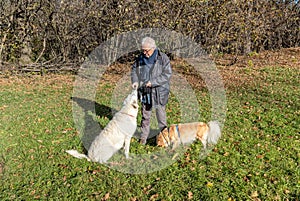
149, 42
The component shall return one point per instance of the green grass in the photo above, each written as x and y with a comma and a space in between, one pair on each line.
257, 157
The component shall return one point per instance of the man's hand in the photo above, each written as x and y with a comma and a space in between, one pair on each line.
135, 85
148, 84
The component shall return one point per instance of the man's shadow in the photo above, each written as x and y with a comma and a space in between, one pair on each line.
91, 128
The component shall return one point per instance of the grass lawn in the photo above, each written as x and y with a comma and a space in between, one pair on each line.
257, 157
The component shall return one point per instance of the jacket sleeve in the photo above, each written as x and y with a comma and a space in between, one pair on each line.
166, 74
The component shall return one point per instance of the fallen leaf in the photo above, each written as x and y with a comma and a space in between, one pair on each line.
106, 197
209, 184
153, 197
254, 194
226, 154
190, 195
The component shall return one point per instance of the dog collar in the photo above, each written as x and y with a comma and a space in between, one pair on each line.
178, 133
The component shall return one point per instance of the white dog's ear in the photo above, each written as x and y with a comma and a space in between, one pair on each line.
134, 92
134, 95
134, 99
127, 99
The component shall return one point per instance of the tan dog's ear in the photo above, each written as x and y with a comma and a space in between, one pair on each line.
160, 140
174, 139
164, 129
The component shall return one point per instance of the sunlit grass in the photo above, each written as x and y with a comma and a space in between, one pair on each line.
257, 157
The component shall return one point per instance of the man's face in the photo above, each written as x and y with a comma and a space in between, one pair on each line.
147, 51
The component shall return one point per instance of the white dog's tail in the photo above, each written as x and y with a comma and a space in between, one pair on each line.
214, 132
76, 154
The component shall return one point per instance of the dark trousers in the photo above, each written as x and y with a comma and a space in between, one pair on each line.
146, 115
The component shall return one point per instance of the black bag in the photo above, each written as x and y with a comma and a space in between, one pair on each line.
145, 94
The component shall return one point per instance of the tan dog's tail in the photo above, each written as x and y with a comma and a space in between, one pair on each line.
214, 132
76, 154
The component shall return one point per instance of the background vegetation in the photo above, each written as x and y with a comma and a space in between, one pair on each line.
60, 34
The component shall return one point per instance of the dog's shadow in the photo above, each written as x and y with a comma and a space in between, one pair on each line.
91, 127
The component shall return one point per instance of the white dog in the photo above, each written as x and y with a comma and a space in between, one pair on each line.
115, 135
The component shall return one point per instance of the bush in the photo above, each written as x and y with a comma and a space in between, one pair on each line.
60, 32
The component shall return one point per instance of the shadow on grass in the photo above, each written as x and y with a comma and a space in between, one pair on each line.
92, 128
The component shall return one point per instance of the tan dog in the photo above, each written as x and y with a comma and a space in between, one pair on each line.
189, 132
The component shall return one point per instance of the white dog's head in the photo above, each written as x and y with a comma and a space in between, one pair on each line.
130, 104
134, 99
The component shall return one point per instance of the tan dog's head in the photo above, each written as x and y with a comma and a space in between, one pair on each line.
162, 139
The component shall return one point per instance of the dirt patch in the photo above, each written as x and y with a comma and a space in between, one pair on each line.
285, 58
231, 68
50, 79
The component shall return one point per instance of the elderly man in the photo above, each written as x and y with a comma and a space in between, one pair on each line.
151, 74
